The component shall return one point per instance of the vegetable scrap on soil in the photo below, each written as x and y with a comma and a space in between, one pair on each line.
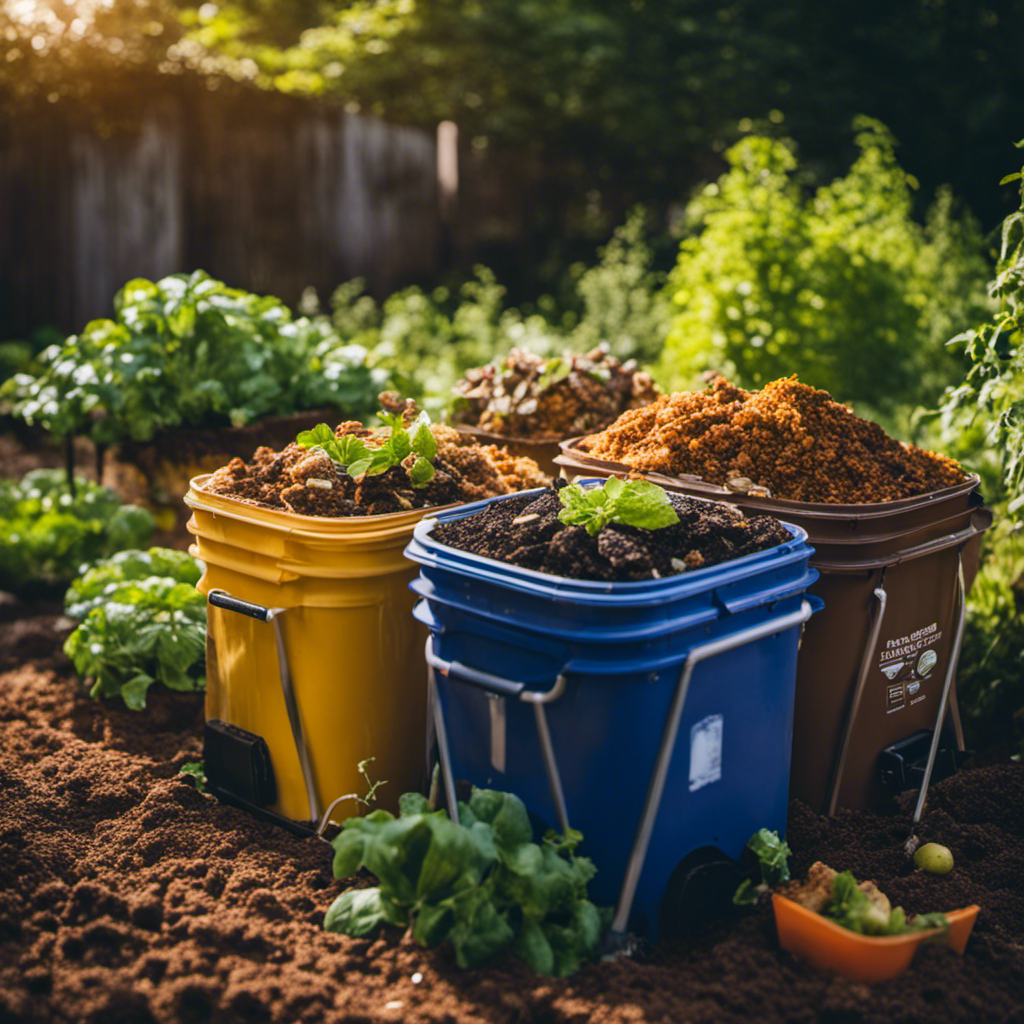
529, 396
527, 531
126, 895
309, 482
790, 438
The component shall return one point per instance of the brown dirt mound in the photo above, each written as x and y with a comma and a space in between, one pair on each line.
308, 483
791, 438
127, 896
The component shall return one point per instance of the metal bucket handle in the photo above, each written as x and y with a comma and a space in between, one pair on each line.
659, 775
222, 599
865, 666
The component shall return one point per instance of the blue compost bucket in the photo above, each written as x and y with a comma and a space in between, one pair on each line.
656, 717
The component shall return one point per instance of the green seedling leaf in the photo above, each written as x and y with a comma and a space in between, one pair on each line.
357, 458
195, 771
422, 473
360, 912
636, 503
772, 856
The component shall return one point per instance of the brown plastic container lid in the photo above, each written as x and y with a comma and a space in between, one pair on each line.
878, 526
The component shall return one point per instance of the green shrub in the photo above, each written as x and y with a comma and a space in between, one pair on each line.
46, 534
189, 351
840, 286
990, 679
988, 411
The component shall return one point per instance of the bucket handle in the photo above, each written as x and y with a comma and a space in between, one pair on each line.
858, 692
947, 686
222, 599
501, 687
865, 665
659, 775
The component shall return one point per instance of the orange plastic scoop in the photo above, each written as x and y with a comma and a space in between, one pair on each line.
859, 957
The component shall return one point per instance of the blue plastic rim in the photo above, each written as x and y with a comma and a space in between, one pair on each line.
621, 647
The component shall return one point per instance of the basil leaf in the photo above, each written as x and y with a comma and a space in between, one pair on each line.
422, 473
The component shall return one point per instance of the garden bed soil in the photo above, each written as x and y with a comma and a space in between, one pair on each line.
526, 531
127, 896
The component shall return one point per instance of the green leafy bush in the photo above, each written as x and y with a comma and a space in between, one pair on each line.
190, 351
483, 884
841, 287
985, 414
144, 623
46, 534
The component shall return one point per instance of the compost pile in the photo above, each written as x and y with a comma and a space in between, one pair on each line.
792, 439
127, 896
308, 482
526, 531
540, 399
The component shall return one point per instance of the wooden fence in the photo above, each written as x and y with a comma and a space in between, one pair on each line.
263, 191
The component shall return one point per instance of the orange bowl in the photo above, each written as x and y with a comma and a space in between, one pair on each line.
858, 957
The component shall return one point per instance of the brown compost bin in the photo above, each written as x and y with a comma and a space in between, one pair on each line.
873, 663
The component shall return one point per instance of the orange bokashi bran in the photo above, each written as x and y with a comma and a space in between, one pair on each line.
789, 437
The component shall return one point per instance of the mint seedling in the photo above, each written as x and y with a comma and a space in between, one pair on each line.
630, 502
357, 457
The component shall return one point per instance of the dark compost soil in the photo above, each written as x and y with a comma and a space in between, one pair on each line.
527, 532
127, 896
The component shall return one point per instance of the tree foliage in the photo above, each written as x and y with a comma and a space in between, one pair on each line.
839, 285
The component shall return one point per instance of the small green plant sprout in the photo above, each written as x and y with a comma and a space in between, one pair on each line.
196, 771
630, 502
772, 856
357, 458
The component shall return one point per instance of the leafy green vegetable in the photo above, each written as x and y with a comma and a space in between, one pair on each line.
851, 908
188, 350
356, 457
46, 534
144, 622
631, 502
483, 884
772, 855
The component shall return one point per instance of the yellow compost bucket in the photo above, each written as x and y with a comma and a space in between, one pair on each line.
325, 662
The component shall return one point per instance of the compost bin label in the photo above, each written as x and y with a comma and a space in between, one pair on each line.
705, 752
905, 661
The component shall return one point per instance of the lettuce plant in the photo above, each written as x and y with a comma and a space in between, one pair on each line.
482, 884
144, 623
47, 533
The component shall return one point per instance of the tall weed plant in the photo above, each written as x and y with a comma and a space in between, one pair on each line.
839, 284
